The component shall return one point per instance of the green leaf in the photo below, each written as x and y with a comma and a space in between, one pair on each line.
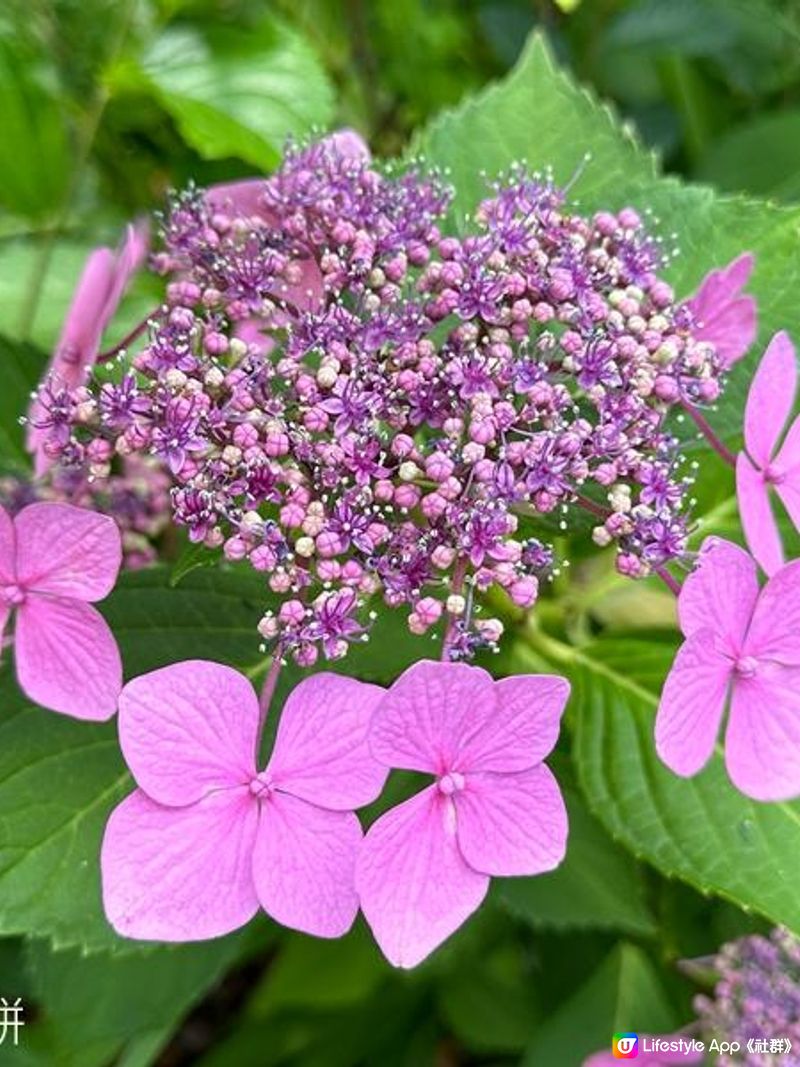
90, 1007
761, 156
489, 1000
36, 162
699, 829
537, 114
238, 94
59, 778
315, 974
22, 366
597, 886
624, 993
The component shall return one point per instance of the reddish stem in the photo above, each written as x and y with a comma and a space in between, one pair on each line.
672, 583
705, 429
128, 339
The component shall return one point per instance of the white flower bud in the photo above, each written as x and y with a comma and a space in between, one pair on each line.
304, 546
456, 604
409, 471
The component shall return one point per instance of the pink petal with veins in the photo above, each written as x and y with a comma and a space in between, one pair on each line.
188, 729
66, 657
180, 874
414, 884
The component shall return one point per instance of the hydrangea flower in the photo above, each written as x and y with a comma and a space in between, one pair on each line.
357, 404
55, 561
722, 314
742, 650
206, 838
494, 808
104, 279
766, 464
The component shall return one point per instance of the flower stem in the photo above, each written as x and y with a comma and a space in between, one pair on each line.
128, 339
704, 427
672, 583
267, 693
459, 574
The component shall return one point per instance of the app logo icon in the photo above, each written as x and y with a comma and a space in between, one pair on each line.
625, 1046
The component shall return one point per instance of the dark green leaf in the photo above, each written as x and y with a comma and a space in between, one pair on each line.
624, 993
35, 162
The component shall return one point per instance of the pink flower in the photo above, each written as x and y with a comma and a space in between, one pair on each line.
494, 809
764, 465
206, 838
55, 560
105, 276
725, 317
650, 1059
742, 649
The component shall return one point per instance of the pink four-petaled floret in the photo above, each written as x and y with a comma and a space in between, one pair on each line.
494, 809
742, 649
764, 465
55, 560
724, 315
207, 838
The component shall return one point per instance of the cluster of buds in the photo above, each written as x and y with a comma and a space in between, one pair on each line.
756, 1000
358, 404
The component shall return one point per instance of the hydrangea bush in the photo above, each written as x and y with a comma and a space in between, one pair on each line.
377, 474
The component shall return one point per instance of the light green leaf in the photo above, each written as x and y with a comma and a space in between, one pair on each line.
20, 268
239, 94
699, 829
597, 886
536, 114
21, 366
624, 993
35, 159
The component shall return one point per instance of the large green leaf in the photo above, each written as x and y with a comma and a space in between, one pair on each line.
238, 94
537, 115
700, 829
90, 1007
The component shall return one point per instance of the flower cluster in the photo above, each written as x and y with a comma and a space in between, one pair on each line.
757, 998
357, 404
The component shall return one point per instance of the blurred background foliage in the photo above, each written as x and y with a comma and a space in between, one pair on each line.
105, 105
